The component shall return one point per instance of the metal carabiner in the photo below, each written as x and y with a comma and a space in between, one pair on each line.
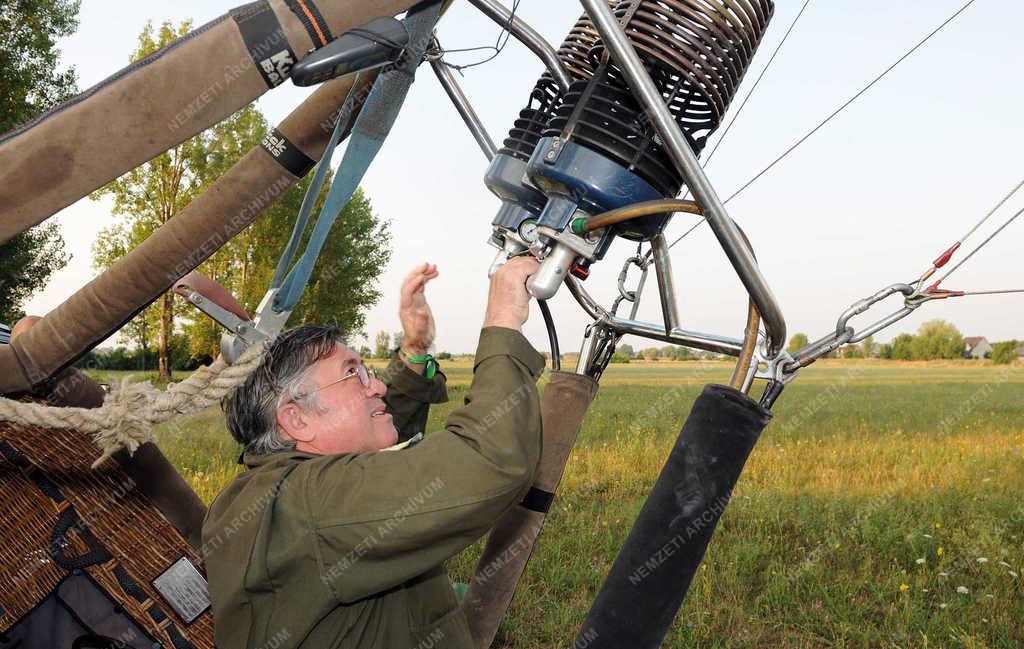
860, 307
631, 296
844, 334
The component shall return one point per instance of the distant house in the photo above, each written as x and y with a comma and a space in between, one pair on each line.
1020, 351
977, 347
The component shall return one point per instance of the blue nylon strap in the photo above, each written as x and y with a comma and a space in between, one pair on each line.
375, 121
308, 202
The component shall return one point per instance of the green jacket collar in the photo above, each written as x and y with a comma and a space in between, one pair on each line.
253, 460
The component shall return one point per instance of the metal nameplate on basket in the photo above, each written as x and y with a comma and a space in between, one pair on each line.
185, 589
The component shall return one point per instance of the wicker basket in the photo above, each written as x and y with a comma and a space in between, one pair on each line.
57, 514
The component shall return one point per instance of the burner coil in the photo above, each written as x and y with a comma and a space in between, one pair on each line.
696, 51
575, 54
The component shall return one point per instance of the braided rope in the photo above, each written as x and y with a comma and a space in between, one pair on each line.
128, 414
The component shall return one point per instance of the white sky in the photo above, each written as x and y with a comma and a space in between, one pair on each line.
868, 201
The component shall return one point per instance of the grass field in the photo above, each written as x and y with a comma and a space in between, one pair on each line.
882, 508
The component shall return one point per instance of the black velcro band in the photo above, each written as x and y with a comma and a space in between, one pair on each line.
312, 20
287, 154
265, 39
538, 500
15, 457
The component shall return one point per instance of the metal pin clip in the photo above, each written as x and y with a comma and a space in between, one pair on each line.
215, 301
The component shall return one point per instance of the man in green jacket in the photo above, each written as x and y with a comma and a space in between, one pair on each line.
335, 535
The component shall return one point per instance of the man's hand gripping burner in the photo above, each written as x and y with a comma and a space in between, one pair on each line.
336, 534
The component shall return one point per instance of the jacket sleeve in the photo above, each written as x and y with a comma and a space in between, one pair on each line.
409, 396
380, 519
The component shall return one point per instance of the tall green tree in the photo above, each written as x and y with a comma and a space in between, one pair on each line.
797, 342
31, 82
903, 347
1005, 353
344, 280
26, 263
149, 196
343, 283
868, 347
937, 339
112, 244
382, 345
224, 145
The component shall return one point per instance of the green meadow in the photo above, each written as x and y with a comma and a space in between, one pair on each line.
882, 508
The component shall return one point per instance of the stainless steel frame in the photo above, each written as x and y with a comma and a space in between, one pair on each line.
528, 36
675, 335
666, 284
461, 101
686, 162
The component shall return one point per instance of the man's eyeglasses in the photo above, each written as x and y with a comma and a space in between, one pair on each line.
362, 371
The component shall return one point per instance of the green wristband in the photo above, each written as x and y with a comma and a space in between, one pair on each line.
423, 359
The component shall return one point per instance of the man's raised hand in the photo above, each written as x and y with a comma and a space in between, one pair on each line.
414, 312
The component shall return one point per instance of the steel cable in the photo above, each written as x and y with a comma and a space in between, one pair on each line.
753, 88
849, 101
980, 246
839, 110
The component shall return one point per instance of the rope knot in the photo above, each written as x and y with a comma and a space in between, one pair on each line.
128, 414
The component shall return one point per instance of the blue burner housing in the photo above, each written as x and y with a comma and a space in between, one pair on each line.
574, 177
519, 202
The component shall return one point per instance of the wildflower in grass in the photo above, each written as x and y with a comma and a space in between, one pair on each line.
927, 536
943, 605
943, 574
982, 560
1013, 574
963, 590
919, 561
940, 551
938, 526
1004, 564
904, 588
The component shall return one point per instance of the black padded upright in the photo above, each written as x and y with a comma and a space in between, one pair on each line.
646, 585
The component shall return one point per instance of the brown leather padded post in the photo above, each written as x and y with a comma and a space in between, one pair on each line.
103, 305
166, 489
148, 108
563, 407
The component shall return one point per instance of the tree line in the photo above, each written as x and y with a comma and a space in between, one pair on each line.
935, 340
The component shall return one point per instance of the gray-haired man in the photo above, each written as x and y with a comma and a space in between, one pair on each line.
335, 537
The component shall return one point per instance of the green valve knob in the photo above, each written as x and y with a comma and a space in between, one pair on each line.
578, 225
